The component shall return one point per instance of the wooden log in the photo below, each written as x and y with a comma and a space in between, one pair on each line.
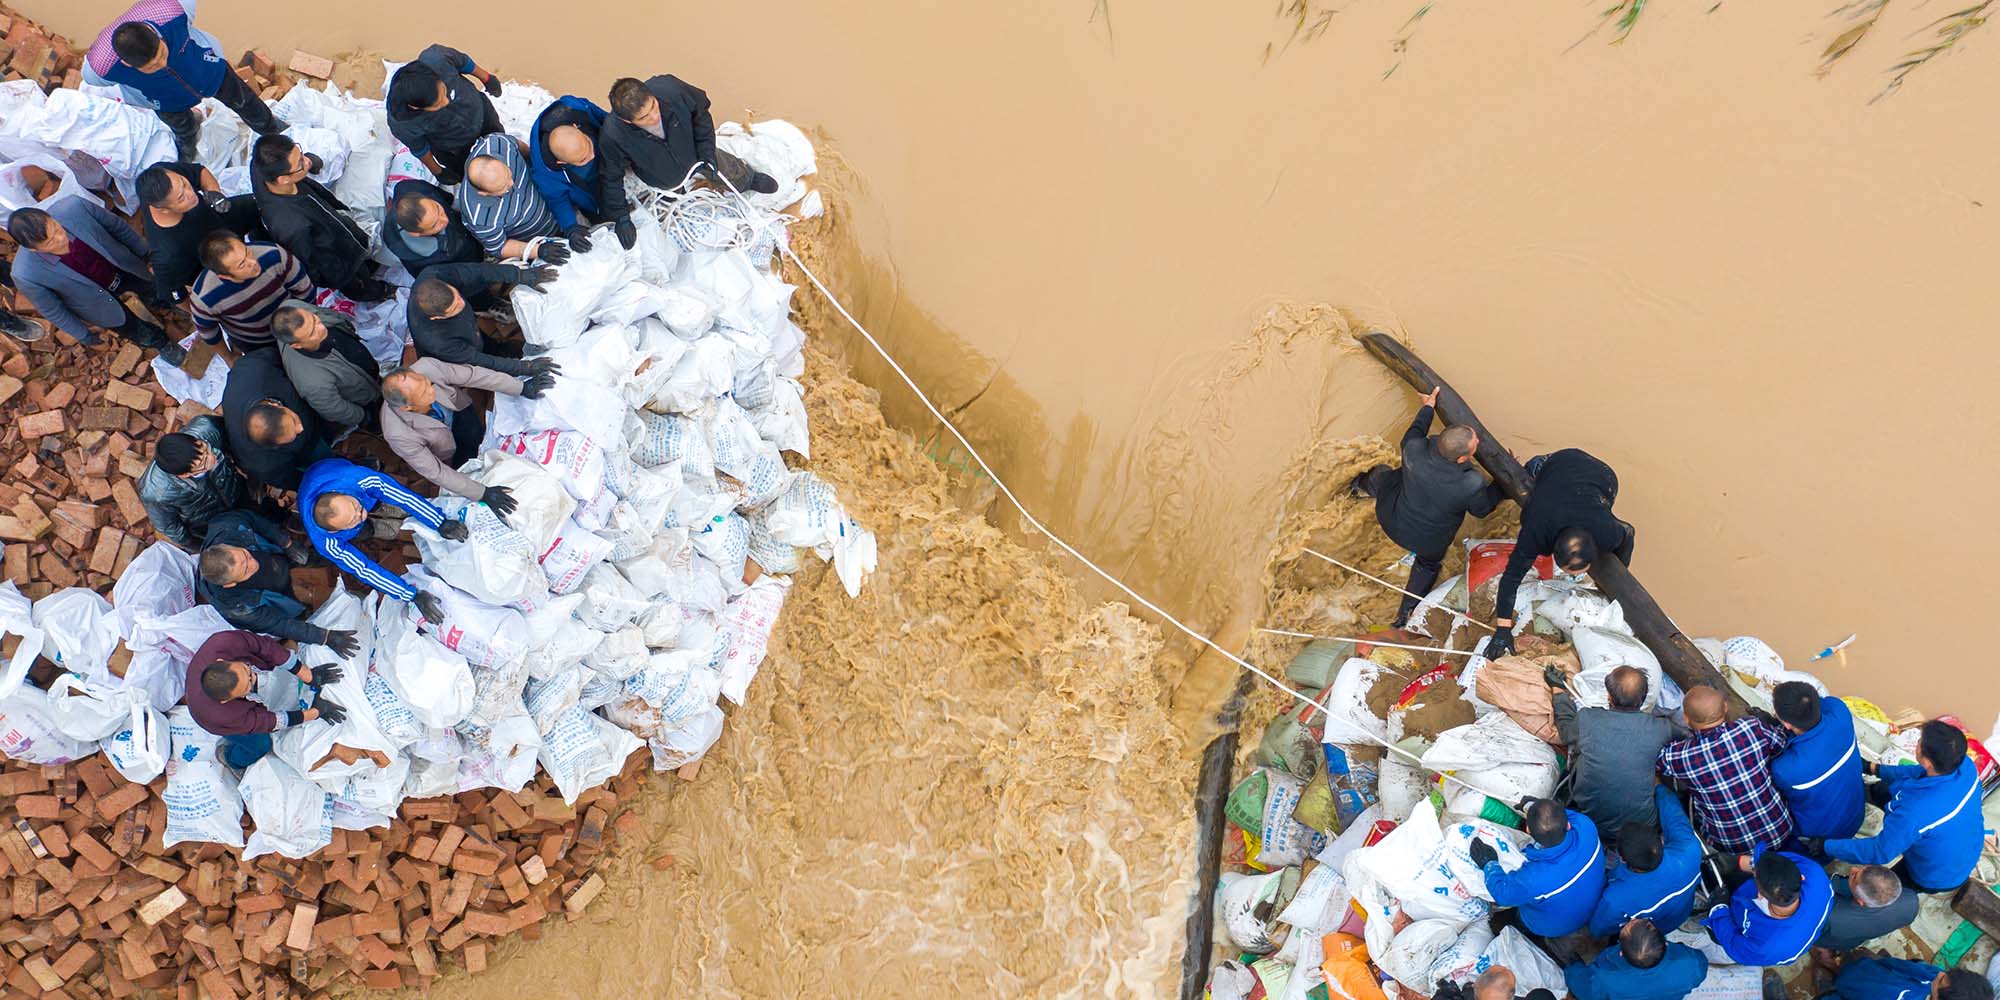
1650, 625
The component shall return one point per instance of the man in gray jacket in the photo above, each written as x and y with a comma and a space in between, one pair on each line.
190, 481
432, 422
1614, 749
75, 259
328, 363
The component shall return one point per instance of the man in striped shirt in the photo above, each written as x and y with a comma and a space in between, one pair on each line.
502, 208
335, 498
242, 288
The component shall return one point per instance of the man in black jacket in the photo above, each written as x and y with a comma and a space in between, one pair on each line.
273, 433
421, 228
660, 131
437, 113
305, 218
1421, 505
443, 325
245, 571
1568, 516
184, 204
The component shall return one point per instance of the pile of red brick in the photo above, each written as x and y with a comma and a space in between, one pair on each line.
30, 53
96, 906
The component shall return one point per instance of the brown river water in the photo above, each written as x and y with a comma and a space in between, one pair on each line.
1125, 244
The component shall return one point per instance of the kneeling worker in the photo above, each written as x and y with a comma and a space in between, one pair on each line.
433, 423
1644, 966
245, 572
1657, 872
1901, 979
1819, 771
335, 498
220, 680
1774, 918
1567, 515
1421, 505
1559, 885
1931, 815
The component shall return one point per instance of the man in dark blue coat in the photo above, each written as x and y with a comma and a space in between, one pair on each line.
1644, 966
1657, 872
562, 158
1930, 815
1559, 885
155, 55
1901, 979
1819, 771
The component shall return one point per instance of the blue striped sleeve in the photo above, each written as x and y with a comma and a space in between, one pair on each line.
366, 570
396, 493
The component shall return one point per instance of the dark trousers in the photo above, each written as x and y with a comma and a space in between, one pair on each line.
245, 749
138, 332
365, 286
235, 96
468, 428
1379, 482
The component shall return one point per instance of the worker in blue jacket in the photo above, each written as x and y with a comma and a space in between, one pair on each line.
1656, 873
562, 159
1819, 771
335, 498
1931, 816
1559, 885
1774, 918
1902, 979
158, 59
1644, 966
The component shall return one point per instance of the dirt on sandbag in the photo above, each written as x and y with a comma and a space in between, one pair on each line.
1437, 708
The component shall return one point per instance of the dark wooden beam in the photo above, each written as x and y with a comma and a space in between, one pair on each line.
1650, 625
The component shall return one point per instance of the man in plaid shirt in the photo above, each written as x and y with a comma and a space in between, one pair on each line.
1726, 768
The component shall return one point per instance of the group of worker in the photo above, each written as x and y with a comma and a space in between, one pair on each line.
239, 488
1775, 797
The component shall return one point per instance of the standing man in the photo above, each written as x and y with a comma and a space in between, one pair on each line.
432, 422
160, 60
272, 432
241, 288
1773, 918
443, 326
1559, 884
335, 499
1930, 815
1644, 966
183, 204
305, 218
421, 229
75, 259
1867, 904
220, 680
502, 208
435, 112
1421, 505
1615, 749
190, 482
1656, 874
328, 364
245, 572
1819, 772
660, 130
1726, 768
562, 157
1568, 516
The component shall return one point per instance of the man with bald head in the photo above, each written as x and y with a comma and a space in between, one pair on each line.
1726, 768
562, 154
1496, 983
1614, 749
501, 206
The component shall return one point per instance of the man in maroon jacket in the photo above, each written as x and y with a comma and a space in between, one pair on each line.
220, 679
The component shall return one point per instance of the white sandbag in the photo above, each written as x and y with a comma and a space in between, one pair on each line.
582, 750
1414, 953
542, 503
17, 617
749, 618
1461, 963
688, 743
290, 816
1348, 719
88, 711
725, 541
1432, 873
499, 756
782, 420
673, 442
687, 310
605, 354
704, 373
1320, 906
622, 654
347, 816
610, 602
1532, 967
330, 146
1240, 898
677, 685
570, 556
496, 692
1750, 655
202, 801
28, 731
435, 683
383, 327
809, 516
576, 461
206, 390
139, 750
80, 631
125, 139
493, 562
571, 404
309, 748
745, 457
1400, 784
376, 789
158, 584
486, 635
1601, 651
15, 193
1496, 756
1282, 839
775, 147
556, 315
1568, 605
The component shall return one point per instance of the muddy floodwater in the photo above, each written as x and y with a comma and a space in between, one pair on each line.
1125, 242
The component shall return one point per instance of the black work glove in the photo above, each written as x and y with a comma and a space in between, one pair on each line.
297, 552
341, 641
1815, 846
536, 385
551, 252
543, 366
216, 201
537, 277
1451, 991
322, 676
329, 709
1500, 644
1766, 717
579, 237
1554, 677
492, 85
429, 606
454, 530
501, 499
628, 234
1482, 852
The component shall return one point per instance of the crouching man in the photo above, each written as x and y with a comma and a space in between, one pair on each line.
335, 499
221, 679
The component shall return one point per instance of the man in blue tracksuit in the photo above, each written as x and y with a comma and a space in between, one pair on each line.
1819, 771
562, 158
335, 498
158, 59
1774, 918
1644, 966
1931, 818
1559, 885
1656, 874
1902, 979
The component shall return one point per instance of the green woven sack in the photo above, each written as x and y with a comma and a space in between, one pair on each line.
1245, 805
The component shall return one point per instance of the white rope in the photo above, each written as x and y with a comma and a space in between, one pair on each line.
1460, 615
784, 247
